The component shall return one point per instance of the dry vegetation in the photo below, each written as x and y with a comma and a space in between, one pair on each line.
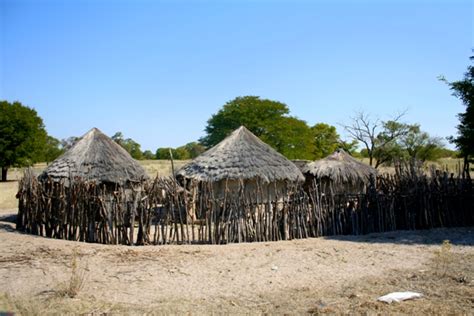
336, 275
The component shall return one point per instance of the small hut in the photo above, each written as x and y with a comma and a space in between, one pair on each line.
96, 158
90, 193
339, 173
242, 160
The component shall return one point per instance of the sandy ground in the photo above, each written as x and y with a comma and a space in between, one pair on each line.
299, 276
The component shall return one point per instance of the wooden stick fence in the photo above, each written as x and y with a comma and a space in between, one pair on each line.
162, 212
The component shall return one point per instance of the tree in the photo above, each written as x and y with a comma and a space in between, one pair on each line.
51, 150
464, 90
267, 119
377, 136
420, 145
163, 153
22, 136
194, 149
326, 140
67, 143
131, 146
147, 154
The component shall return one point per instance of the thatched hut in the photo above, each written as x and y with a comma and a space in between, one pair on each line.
242, 161
96, 158
300, 163
339, 173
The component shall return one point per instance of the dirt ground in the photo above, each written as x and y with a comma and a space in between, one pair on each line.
320, 275
335, 275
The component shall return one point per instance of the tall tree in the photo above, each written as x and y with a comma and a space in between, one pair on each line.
267, 119
22, 136
377, 136
464, 90
131, 146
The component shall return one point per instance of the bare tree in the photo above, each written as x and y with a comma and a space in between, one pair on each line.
376, 135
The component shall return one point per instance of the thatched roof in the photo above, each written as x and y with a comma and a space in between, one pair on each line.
96, 157
340, 168
241, 155
300, 163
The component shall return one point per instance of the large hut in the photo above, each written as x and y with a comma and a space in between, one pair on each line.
95, 158
339, 173
242, 161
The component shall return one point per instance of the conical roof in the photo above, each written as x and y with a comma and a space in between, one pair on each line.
96, 157
241, 155
340, 167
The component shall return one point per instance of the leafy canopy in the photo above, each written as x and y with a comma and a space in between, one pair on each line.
22, 136
464, 90
131, 146
269, 120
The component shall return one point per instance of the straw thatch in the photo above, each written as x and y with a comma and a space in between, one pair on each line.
341, 170
300, 163
241, 156
96, 157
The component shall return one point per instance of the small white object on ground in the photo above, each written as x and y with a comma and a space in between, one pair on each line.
274, 268
399, 296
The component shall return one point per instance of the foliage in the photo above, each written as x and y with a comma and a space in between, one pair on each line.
194, 149
131, 146
22, 136
464, 90
386, 142
419, 145
260, 116
147, 154
378, 137
51, 150
326, 140
188, 151
269, 120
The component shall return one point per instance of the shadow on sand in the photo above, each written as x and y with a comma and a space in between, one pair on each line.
462, 236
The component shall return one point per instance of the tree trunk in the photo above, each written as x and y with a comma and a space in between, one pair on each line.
4, 174
466, 168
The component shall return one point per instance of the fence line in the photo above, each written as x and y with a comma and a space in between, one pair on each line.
162, 212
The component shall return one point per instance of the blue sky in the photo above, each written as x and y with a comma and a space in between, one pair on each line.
157, 70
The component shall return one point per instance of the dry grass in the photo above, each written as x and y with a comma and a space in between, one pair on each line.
74, 285
161, 167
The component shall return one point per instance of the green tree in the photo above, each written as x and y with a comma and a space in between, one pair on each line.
131, 146
147, 154
51, 150
464, 90
267, 119
326, 140
163, 153
194, 149
181, 153
22, 136
420, 145
378, 137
